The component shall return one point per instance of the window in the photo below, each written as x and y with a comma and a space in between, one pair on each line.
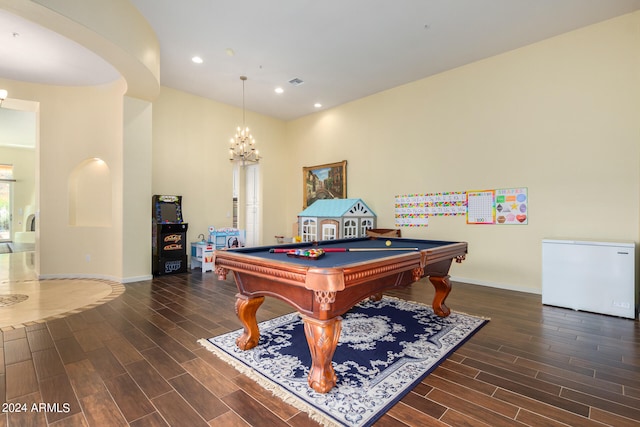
309, 230
6, 172
328, 232
365, 224
350, 228
235, 213
235, 191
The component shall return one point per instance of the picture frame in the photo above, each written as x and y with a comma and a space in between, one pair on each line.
328, 181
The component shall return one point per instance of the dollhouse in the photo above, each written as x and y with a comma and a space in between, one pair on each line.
331, 219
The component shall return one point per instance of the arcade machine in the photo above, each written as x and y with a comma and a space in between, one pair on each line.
169, 236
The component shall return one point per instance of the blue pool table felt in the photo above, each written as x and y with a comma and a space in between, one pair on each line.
337, 259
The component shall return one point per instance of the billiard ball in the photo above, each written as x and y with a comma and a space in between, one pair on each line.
388, 243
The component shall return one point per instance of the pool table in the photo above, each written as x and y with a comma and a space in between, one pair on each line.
323, 289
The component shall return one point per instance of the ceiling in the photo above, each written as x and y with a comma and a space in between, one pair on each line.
341, 50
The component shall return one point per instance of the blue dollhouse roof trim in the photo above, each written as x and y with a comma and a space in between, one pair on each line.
332, 208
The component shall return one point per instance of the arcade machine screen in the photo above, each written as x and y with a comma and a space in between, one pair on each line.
167, 209
169, 236
168, 212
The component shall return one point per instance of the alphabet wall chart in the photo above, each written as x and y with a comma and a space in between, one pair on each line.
413, 210
505, 206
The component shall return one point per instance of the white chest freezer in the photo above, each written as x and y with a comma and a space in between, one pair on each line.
590, 276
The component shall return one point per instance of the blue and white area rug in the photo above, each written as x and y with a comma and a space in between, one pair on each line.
385, 349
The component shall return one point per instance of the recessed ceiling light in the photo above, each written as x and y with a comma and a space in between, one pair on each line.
197, 60
279, 90
229, 51
317, 105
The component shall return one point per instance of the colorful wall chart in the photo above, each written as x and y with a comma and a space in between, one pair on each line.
414, 210
512, 206
411, 211
446, 204
504, 206
481, 207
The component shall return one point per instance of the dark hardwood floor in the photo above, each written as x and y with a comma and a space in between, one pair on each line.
135, 361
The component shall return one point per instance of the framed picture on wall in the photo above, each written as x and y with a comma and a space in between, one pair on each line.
324, 182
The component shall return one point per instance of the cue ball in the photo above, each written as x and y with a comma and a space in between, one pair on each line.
388, 243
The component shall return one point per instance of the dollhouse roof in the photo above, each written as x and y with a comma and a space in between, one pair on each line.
337, 208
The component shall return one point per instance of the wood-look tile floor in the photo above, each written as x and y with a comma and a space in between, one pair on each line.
135, 361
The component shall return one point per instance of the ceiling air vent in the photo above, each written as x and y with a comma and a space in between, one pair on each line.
296, 81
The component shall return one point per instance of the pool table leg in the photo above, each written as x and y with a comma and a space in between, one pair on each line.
322, 337
246, 309
376, 297
443, 287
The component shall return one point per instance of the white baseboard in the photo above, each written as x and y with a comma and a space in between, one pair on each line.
136, 279
496, 285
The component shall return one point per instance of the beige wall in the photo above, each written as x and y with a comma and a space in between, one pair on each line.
136, 190
190, 146
75, 125
560, 117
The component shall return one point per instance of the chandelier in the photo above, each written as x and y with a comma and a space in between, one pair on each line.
243, 144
